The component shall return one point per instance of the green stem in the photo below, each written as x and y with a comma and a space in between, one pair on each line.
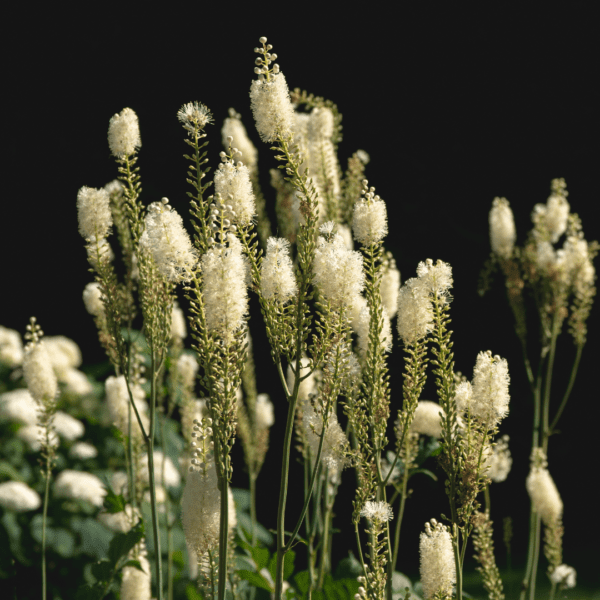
530, 550
552, 591
224, 536
253, 505
548, 383
568, 391
536, 557
399, 521
457, 560
44, 517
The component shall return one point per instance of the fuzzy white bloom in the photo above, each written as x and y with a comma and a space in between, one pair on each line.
17, 496
76, 382
265, 414
247, 152
390, 289
99, 251
428, 419
67, 426
11, 347
33, 434
124, 133
78, 485
64, 353
18, 406
503, 233
119, 482
338, 273
554, 215
93, 210
92, 298
335, 442
83, 451
135, 584
178, 328
490, 399
172, 477
201, 509
437, 278
121, 521
277, 272
307, 386
544, 495
225, 293
359, 303
321, 123
415, 311
117, 400
377, 511
369, 221
232, 183
194, 116
545, 255
438, 569
565, 576
574, 258
187, 367
362, 328
38, 373
168, 242
272, 108
499, 460
346, 234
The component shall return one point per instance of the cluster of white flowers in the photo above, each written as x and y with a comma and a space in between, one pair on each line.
307, 386
499, 460
503, 233
33, 435
78, 485
234, 128
233, 185
11, 347
83, 451
17, 496
265, 413
38, 373
369, 220
272, 108
438, 569
377, 511
437, 279
120, 521
172, 478
92, 298
168, 242
93, 208
136, 584
565, 576
67, 426
64, 353
337, 272
427, 419
415, 311
178, 328
117, 400
224, 287
574, 261
187, 368
390, 288
194, 116
553, 216
124, 133
544, 495
18, 406
277, 273
490, 397
362, 324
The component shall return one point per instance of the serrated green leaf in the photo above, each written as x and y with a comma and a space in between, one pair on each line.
255, 579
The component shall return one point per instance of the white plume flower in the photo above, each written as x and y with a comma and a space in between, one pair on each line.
121, 521
415, 311
18, 406
234, 128
272, 108
277, 272
338, 272
390, 288
377, 511
545, 255
194, 116
544, 495
99, 251
265, 414
438, 569
64, 353
232, 183
93, 208
11, 347
490, 398
437, 278
427, 419
499, 460
553, 216
39, 374
369, 221
83, 451
178, 328
187, 367
168, 242
76, 382
92, 298
124, 133
17, 496
362, 328
78, 485
565, 576
224, 287
503, 233
136, 584
67, 426
307, 386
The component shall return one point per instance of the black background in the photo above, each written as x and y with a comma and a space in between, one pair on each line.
454, 106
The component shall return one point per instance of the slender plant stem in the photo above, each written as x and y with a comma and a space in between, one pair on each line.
224, 535
44, 518
405, 479
530, 550
561, 408
548, 383
253, 505
536, 557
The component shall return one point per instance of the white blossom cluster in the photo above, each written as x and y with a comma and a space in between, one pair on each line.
11, 347
39, 374
117, 400
544, 495
390, 288
272, 107
168, 242
124, 133
136, 584
17, 496
338, 272
574, 261
415, 311
224, 287
427, 419
247, 152
553, 216
277, 272
232, 183
499, 460
194, 116
438, 569
490, 396
565, 576
93, 208
121, 521
369, 220
78, 485
83, 451
92, 298
67, 426
377, 511
187, 368
503, 233
361, 326
17, 406
265, 413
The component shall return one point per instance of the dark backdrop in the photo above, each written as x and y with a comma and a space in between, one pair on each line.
454, 107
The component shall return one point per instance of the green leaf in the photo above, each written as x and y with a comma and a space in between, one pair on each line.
437, 451
114, 503
136, 564
255, 579
348, 568
302, 580
288, 564
260, 557
191, 593
102, 570
122, 543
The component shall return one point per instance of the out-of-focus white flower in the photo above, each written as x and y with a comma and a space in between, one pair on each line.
17, 496
93, 207
428, 419
554, 215
83, 451
117, 400
499, 460
39, 374
265, 414
64, 353
277, 273
76, 382
124, 133
68, 427
438, 569
18, 406
233, 127
544, 495
178, 328
172, 476
78, 485
32, 434
11, 347
121, 521
565, 576
307, 386
390, 288
136, 584
119, 482
187, 367
362, 329
272, 108
502, 228
92, 298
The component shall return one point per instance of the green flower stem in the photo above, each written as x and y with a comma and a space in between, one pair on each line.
223, 537
548, 382
324, 566
45, 515
400, 513
536, 557
253, 476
